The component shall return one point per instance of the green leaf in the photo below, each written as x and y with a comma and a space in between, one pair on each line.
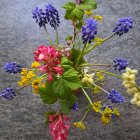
52, 112
79, 25
48, 94
88, 5
70, 73
67, 104
61, 87
69, 6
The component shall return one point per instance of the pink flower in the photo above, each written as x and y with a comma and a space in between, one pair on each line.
59, 127
50, 59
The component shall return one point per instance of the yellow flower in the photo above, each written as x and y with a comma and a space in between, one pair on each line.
116, 112
79, 125
98, 17
100, 76
88, 78
88, 12
97, 106
35, 84
106, 115
35, 64
96, 90
98, 40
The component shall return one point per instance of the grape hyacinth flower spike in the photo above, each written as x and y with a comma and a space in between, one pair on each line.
8, 93
123, 26
12, 67
89, 30
120, 64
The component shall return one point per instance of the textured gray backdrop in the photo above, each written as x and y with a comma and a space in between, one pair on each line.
22, 118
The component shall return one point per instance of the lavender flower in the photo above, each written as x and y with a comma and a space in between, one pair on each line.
115, 96
52, 16
75, 106
12, 67
123, 26
89, 30
120, 64
40, 17
8, 93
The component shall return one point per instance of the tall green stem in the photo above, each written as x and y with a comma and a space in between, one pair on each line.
57, 37
87, 96
85, 115
50, 41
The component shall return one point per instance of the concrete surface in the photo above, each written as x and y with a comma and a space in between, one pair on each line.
22, 118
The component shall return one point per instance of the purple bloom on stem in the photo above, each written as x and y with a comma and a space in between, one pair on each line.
89, 30
115, 96
12, 67
40, 17
8, 93
120, 64
75, 106
123, 26
52, 16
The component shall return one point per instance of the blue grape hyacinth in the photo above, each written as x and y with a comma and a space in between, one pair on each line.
52, 16
89, 30
120, 64
40, 17
12, 67
75, 106
115, 96
8, 93
123, 26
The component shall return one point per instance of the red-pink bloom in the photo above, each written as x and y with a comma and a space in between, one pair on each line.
59, 127
51, 59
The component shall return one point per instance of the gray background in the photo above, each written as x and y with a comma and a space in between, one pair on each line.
22, 118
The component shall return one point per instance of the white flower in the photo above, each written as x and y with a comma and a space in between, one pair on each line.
88, 78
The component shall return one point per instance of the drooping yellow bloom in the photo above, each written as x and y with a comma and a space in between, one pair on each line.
106, 115
26, 77
136, 99
97, 106
116, 112
96, 90
98, 40
88, 12
35, 84
35, 64
88, 78
100, 76
98, 17
79, 125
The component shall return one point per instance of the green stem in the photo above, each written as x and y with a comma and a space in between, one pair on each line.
87, 97
50, 41
81, 53
57, 37
95, 45
85, 115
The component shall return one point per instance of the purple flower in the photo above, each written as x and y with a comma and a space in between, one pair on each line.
12, 67
40, 17
115, 96
8, 93
52, 16
123, 26
75, 106
120, 64
89, 30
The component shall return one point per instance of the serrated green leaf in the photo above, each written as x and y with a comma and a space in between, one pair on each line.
48, 95
67, 104
88, 5
70, 73
69, 6
79, 25
78, 13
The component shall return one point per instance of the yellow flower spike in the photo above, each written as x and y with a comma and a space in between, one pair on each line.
35, 64
88, 12
100, 76
35, 84
106, 115
97, 106
88, 78
98, 40
23, 71
96, 90
79, 125
98, 17
116, 112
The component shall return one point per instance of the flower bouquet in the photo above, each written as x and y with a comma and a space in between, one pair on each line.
59, 71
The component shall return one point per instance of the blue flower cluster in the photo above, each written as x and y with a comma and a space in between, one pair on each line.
115, 96
8, 93
75, 106
120, 64
89, 30
123, 26
12, 67
48, 15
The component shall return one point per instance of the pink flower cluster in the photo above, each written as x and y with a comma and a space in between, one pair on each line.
50, 58
59, 127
